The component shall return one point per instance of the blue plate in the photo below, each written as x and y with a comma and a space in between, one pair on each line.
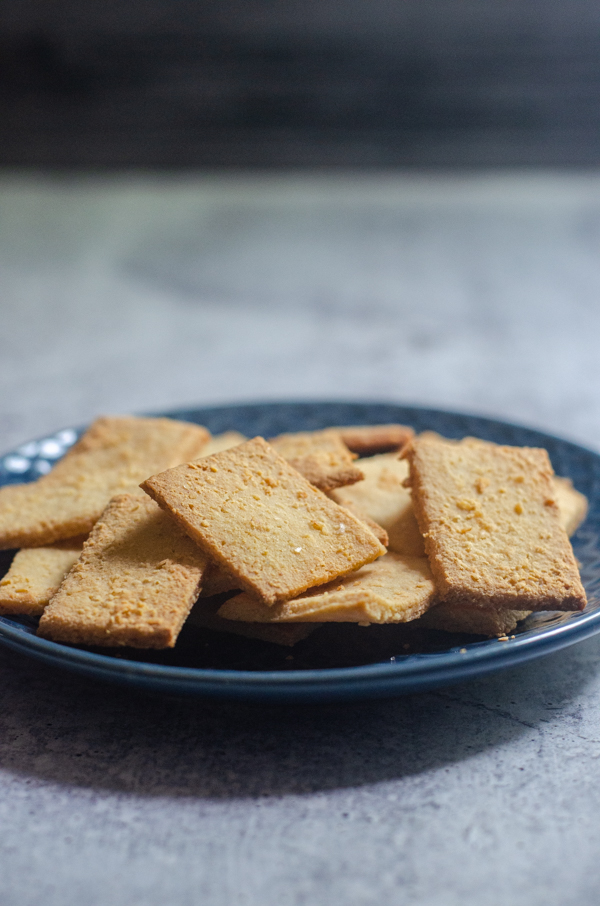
351, 662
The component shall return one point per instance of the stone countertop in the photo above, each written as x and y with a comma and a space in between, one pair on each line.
477, 293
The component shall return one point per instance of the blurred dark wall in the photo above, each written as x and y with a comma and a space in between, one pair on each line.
279, 83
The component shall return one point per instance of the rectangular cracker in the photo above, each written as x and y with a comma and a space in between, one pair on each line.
499, 621
367, 440
204, 615
383, 497
321, 456
134, 583
259, 519
491, 525
114, 455
393, 589
36, 574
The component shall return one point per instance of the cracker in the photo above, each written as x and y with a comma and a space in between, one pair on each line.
113, 456
257, 517
35, 575
383, 497
572, 504
134, 584
490, 621
204, 615
321, 456
225, 441
493, 621
394, 589
491, 525
366, 440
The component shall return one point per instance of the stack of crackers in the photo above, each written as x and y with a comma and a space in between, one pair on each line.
146, 522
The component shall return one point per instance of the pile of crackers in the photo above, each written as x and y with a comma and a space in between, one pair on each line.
148, 522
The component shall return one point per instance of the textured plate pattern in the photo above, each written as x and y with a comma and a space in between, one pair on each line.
540, 634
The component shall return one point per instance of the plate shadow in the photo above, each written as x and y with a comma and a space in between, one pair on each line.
60, 728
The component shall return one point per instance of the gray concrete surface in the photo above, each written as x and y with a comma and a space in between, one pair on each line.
125, 294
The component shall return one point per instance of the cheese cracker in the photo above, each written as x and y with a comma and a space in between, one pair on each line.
572, 507
35, 575
259, 519
113, 456
491, 525
134, 584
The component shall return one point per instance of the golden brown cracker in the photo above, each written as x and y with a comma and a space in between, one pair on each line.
259, 519
35, 575
491, 525
393, 589
367, 440
383, 497
134, 583
321, 456
113, 456
499, 621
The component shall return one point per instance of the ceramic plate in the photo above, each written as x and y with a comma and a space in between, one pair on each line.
340, 661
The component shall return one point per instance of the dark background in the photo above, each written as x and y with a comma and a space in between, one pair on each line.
282, 83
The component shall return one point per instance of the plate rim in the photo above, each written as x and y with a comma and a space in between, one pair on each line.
405, 674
